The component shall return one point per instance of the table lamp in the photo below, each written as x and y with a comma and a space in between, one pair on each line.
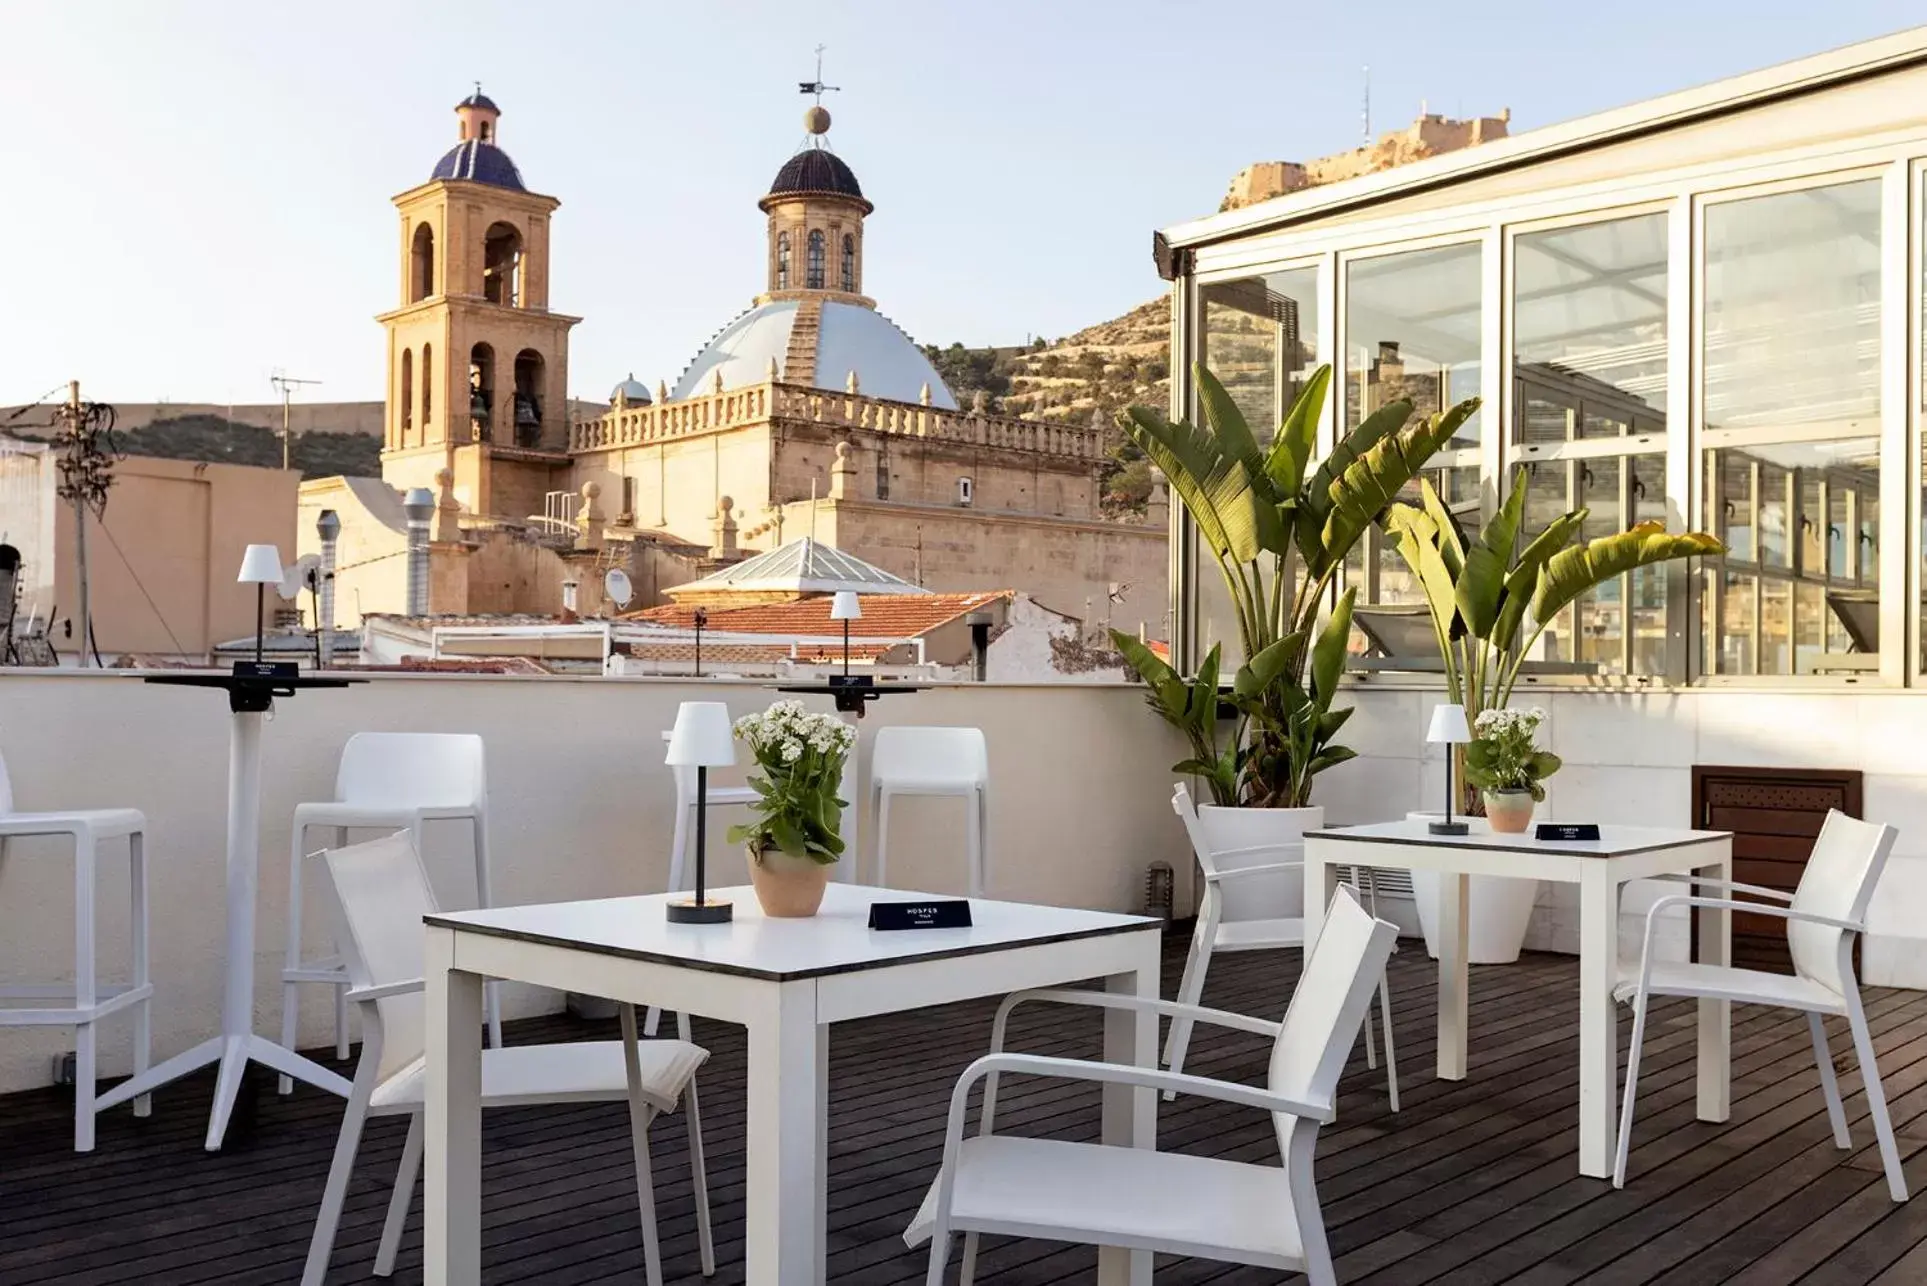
260, 567
1449, 729
845, 607
702, 739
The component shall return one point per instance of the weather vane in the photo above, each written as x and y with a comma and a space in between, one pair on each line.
816, 88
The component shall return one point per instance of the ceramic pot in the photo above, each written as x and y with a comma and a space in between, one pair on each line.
787, 887
1261, 837
1509, 811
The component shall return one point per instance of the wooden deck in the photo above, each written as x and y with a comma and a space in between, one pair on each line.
1471, 1184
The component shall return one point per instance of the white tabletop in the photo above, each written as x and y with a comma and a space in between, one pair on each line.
1613, 841
837, 939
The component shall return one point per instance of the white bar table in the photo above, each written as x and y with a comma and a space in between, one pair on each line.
787, 981
1599, 867
250, 697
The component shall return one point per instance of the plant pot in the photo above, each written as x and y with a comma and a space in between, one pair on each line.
1498, 911
1267, 836
1509, 811
787, 888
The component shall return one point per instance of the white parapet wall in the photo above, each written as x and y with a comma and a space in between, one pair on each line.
580, 808
1629, 758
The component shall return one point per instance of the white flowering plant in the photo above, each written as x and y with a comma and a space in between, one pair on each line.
1505, 755
801, 756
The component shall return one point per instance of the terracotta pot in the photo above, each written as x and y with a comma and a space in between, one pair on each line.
1509, 811
787, 887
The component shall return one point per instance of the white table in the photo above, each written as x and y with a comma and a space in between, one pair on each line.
786, 981
1599, 868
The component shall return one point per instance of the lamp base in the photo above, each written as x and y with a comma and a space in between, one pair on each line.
1449, 828
690, 911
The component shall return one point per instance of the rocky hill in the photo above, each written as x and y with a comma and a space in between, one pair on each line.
219, 440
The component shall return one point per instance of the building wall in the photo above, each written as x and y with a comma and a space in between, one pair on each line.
677, 482
371, 558
580, 807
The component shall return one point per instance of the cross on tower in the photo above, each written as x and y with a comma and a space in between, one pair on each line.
816, 88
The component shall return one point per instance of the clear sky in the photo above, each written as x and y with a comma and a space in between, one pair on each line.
195, 192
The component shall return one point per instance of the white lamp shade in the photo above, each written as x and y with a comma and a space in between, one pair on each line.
702, 737
1449, 726
844, 606
261, 565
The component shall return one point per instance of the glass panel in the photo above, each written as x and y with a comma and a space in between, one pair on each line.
1792, 313
1648, 592
1550, 495
1412, 331
1260, 339
1776, 627
1589, 327
1599, 629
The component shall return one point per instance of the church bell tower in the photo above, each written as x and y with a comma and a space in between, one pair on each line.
477, 364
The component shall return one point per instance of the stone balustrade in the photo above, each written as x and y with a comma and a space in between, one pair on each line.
636, 426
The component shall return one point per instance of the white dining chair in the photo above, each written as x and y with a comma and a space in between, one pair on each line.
1824, 916
386, 780
1216, 932
933, 761
381, 894
1140, 1199
86, 1000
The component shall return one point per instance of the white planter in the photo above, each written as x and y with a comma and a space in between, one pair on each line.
1497, 916
1273, 835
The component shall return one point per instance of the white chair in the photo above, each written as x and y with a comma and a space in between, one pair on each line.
1214, 933
1823, 915
382, 893
86, 1000
386, 780
933, 761
1140, 1199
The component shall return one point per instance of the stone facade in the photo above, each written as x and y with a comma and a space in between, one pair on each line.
1427, 136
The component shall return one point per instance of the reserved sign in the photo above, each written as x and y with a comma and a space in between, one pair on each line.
1568, 831
953, 914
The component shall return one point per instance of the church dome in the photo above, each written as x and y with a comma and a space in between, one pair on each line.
815, 171
849, 337
631, 389
479, 162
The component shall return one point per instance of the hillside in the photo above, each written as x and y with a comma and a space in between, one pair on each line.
218, 440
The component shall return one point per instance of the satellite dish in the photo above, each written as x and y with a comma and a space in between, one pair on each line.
299, 575
616, 585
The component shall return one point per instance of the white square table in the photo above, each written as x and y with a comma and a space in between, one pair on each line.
1599, 867
786, 981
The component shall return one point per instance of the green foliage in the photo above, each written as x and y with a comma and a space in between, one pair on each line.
1505, 754
801, 756
1190, 706
1279, 531
221, 441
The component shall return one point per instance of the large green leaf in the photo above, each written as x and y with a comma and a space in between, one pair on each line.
1244, 492
1316, 499
1571, 572
1482, 581
1370, 483
1418, 539
1451, 540
1257, 676
1297, 437
1328, 653
1523, 580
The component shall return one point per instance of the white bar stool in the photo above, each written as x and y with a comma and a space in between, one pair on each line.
392, 781
88, 1000
933, 761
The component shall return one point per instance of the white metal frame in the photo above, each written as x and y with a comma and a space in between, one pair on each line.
1752, 987
86, 999
972, 784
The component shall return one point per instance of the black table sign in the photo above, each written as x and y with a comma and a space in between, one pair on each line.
920, 915
1568, 831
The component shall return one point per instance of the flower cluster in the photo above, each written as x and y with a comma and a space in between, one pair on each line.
801, 757
1505, 754
1509, 723
786, 730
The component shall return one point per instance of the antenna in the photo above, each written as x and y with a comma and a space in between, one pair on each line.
302, 573
284, 385
616, 585
1365, 115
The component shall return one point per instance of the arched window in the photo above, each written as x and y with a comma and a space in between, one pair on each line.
428, 385
502, 265
407, 393
849, 263
782, 261
422, 266
813, 267
481, 391
528, 398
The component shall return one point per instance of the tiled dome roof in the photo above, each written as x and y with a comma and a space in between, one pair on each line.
816, 170
479, 99
479, 162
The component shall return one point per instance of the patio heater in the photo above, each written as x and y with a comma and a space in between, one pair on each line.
1449, 729
702, 739
845, 607
260, 567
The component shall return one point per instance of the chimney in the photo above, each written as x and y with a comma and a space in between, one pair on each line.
419, 505
568, 602
329, 526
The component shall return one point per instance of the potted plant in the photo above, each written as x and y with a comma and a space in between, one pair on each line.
793, 837
1489, 601
1504, 761
1278, 530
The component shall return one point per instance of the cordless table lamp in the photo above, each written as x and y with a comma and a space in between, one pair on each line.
1449, 729
844, 607
702, 739
260, 567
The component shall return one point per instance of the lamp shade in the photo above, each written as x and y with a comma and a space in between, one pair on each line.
702, 737
844, 606
1448, 725
261, 565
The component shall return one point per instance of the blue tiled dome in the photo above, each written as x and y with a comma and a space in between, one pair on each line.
815, 171
479, 162
479, 99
